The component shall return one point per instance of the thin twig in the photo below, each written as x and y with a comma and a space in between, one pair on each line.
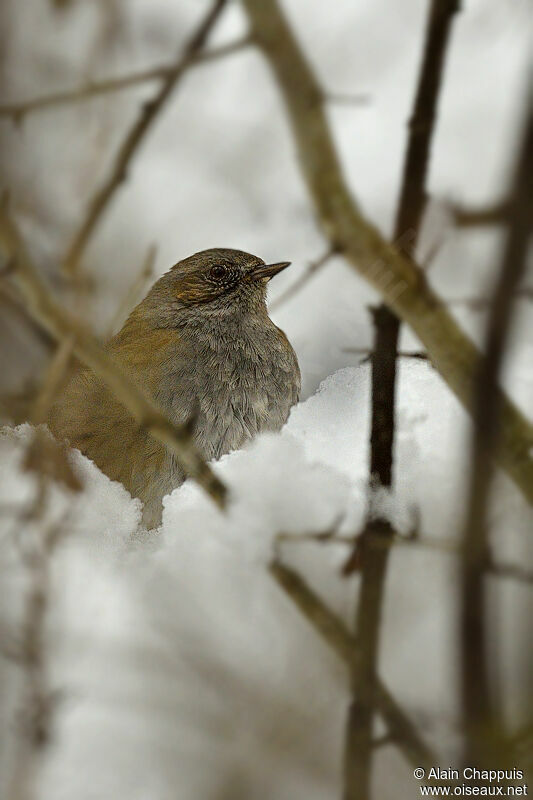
49, 314
134, 138
44, 455
137, 287
451, 546
418, 355
10, 298
383, 741
442, 544
339, 638
428, 259
18, 110
514, 572
302, 281
481, 722
364, 675
53, 380
400, 282
497, 214
346, 99
483, 303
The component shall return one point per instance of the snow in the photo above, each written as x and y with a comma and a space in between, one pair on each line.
181, 662
104, 507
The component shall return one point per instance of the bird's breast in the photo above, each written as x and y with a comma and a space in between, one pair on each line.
237, 381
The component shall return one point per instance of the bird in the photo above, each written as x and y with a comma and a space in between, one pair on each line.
202, 345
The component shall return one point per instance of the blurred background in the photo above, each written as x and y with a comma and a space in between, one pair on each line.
218, 168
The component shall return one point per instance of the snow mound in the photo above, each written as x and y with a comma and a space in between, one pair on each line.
180, 660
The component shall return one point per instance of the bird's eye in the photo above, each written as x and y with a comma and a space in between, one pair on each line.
217, 272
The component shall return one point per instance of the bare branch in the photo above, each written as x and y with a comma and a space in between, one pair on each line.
411, 207
136, 289
483, 303
10, 298
497, 214
401, 283
52, 318
302, 281
44, 455
53, 380
17, 111
364, 675
482, 726
514, 572
374, 560
418, 355
332, 537
134, 138
339, 638
345, 99
451, 546
35, 712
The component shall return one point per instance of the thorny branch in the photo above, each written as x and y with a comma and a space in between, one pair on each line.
56, 322
400, 281
482, 728
134, 138
18, 110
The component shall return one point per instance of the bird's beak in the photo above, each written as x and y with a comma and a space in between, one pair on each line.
268, 270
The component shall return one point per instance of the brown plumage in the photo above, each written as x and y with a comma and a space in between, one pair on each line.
201, 343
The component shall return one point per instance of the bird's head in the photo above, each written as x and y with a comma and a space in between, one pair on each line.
216, 281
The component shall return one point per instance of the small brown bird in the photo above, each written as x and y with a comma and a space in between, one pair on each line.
203, 346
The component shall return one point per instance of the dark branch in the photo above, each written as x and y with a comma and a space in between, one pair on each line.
374, 560
482, 728
411, 207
